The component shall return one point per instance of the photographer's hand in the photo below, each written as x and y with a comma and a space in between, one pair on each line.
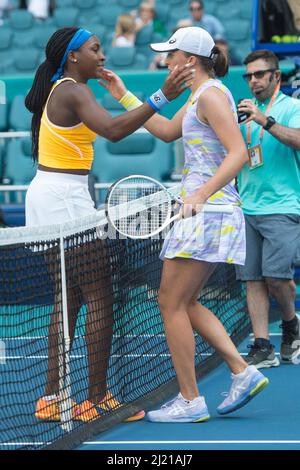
247, 106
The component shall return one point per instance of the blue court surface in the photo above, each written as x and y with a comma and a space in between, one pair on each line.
270, 421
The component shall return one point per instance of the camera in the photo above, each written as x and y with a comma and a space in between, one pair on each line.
242, 115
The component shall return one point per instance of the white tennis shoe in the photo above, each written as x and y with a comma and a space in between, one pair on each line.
180, 410
244, 387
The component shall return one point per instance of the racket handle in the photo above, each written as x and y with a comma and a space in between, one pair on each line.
223, 208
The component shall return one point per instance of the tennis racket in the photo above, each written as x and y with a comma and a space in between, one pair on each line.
141, 207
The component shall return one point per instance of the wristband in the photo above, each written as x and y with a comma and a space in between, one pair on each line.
157, 100
129, 101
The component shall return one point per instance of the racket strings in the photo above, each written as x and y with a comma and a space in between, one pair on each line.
139, 208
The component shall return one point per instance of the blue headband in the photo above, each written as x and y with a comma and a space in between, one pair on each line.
76, 42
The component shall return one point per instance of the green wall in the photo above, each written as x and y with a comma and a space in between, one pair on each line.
145, 81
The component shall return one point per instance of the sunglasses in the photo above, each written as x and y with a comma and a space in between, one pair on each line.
258, 74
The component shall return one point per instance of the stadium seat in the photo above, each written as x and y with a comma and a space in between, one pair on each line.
66, 3
109, 15
3, 117
5, 43
85, 4
102, 3
127, 4
20, 19
19, 116
25, 60
144, 36
139, 153
65, 17
42, 36
89, 11
177, 14
237, 30
126, 58
228, 11
210, 8
162, 12
242, 49
246, 10
19, 166
98, 29
5, 38
178, 3
24, 38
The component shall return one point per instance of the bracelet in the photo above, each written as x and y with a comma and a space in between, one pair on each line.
158, 100
129, 101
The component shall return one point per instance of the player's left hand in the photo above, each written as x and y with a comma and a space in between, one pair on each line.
113, 83
255, 115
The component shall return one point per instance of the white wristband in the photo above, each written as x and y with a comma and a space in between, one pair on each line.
158, 100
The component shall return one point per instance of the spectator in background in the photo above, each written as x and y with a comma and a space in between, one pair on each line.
5, 5
147, 16
208, 22
124, 31
269, 188
295, 9
39, 8
223, 45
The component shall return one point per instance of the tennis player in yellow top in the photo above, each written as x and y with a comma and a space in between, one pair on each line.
66, 120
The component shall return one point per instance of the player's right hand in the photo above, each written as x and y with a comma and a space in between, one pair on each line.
178, 80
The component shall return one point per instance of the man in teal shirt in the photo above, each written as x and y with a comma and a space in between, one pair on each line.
269, 186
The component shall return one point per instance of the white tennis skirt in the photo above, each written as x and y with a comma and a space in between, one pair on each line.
54, 198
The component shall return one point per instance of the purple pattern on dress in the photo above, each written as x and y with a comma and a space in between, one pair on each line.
212, 237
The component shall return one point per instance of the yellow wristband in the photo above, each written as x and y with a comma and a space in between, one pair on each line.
129, 101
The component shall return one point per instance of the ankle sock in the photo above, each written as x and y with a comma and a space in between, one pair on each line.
262, 343
292, 325
50, 397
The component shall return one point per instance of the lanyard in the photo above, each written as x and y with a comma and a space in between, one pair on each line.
273, 99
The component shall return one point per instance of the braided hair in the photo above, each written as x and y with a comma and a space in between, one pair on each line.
41, 87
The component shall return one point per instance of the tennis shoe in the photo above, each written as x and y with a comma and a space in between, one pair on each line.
89, 411
180, 410
261, 356
290, 344
49, 410
244, 387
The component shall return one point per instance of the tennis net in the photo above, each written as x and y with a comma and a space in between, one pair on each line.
79, 320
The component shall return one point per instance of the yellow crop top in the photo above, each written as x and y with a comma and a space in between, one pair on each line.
67, 148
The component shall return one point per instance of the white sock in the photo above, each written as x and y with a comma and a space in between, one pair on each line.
242, 374
188, 401
50, 397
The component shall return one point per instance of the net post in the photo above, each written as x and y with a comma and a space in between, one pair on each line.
65, 402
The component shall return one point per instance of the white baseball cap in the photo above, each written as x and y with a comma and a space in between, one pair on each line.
190, 39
